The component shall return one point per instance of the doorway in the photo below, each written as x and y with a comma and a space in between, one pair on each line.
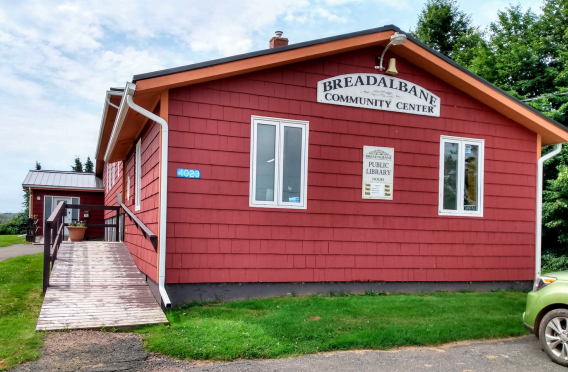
71, 215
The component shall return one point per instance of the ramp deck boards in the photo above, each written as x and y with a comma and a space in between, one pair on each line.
95, 285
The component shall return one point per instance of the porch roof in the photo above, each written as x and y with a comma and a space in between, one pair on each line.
48, 179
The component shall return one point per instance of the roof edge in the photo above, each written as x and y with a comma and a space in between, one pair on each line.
262, 52
487, 83
63, 188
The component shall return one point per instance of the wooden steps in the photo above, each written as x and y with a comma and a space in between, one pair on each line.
95, 285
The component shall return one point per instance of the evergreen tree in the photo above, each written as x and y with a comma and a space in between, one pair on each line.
89, 167
37, 166
78, 166
448, 30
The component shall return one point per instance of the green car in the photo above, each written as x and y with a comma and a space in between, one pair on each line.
547, 315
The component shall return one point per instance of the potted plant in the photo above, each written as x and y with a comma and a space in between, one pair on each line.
77, 230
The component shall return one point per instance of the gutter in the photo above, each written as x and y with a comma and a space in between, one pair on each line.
125, 104
538, 245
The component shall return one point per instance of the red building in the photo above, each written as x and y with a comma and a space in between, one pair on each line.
305, 165
48, 188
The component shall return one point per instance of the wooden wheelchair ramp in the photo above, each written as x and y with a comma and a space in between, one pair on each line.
95, 285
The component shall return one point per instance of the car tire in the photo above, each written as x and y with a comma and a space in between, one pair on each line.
553, 335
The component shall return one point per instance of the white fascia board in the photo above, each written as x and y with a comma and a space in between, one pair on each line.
108, 95
119, 120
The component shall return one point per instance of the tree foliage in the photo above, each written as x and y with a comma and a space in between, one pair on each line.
89, 167
78, 165
16, 226
526, 55
448, 30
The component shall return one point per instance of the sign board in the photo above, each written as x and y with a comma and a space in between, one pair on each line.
188, 173
378, 169
378, 92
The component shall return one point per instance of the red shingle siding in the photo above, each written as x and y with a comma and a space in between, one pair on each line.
140, 247
214, 236
85, 197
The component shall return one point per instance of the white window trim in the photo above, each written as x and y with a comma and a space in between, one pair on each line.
107, 183
460, 212
127, 187
279, 123
138, 176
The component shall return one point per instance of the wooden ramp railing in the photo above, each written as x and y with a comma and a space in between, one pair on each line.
143, 228
54, 233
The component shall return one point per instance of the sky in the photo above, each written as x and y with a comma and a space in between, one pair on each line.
58, 58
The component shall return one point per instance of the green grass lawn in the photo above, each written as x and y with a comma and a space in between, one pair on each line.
6, 240
20, 303
278, 327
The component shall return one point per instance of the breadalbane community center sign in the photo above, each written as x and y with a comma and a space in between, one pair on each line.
379, 92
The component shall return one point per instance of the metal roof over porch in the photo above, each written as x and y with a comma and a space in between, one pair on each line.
63, 180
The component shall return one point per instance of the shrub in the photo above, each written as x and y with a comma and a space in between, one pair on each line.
554, 261
16, 226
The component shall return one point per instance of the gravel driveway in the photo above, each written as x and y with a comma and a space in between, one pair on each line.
18, 250
92, 351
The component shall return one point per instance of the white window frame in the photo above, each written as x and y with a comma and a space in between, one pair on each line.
138, 176
107, 183
461, 169
127, 187
280, 125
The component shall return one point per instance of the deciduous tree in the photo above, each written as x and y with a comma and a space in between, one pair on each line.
448, 30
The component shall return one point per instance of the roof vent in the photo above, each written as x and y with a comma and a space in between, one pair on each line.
278, 40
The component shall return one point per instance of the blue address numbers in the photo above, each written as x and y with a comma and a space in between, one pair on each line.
188, 173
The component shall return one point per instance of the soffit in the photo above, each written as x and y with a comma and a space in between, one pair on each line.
133, 125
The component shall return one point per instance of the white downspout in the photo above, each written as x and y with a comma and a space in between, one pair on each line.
538, 248
163, 195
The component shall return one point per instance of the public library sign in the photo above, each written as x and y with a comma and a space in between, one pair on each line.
379, 92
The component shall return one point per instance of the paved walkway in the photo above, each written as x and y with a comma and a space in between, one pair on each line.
90, 351
514, 355
18, 250
95, 285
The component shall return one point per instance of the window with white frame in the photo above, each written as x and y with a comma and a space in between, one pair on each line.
137, 175
461, 176
108, 176
127, 187
279, 163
